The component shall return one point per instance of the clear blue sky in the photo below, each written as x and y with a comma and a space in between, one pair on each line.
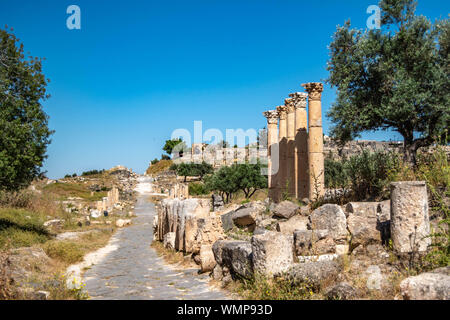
137, 70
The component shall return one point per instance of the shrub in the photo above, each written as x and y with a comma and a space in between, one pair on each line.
21, 228
367, 175
262, 288
197, 189
92, 172
66, 251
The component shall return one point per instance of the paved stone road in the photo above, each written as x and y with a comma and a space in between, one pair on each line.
134, 270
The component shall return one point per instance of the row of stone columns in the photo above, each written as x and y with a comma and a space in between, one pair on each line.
295, 146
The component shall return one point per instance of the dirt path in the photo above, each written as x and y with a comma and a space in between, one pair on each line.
134, 271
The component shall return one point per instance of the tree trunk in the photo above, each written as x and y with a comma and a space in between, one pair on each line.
409, 154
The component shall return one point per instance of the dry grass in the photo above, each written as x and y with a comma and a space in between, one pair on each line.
159, 167
172, 256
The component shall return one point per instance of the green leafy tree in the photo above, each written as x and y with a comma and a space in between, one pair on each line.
393, 78
193, 170
224, 182
249, 178
175, 146
24, 132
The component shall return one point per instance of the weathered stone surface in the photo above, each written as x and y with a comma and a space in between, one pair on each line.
374, 277
181, 217
169, 240
341, 291
217, 273
332, 218
317, 258
304, 239
227, 218
247, 214
295, 223
410, 225
241, 259
234, 255
313, 273
384, 220
285, 209
433, 285
55, 223
209, 230
217, 202
123, 223
207, 261
272, 252
362, 222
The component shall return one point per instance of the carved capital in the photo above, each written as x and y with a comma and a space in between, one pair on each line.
289, 103
299, 99
272, 116
314, 89
282, 112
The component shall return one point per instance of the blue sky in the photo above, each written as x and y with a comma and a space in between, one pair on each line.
137, 70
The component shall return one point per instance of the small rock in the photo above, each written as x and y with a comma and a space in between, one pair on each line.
285, 209
55, 223
42, 295
123, 222
341, 291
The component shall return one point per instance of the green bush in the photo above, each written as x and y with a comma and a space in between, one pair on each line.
197, 189
92, 172
366, 175
21, 228
66, 251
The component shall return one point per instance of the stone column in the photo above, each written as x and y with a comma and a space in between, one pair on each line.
290, 145
282, 138
301, 145
272, 151
316, 172
410, 224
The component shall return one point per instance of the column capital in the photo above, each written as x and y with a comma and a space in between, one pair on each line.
314, 90
282, 112
299, 99
272, 116
289, 104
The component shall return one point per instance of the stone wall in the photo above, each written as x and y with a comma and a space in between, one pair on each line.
191, 222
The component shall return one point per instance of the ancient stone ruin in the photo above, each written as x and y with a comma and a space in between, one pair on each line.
295, 145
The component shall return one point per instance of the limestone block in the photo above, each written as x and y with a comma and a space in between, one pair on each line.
234, 255
410, 225
272, 252
305, 240
332, 218
285, 209
247, 214
293, 224
362, 222
434, 285
207, 261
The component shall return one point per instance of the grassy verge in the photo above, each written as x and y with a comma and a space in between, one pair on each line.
65, 190
172, 256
